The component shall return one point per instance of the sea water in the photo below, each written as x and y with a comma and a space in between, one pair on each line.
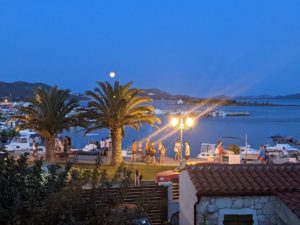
263, 122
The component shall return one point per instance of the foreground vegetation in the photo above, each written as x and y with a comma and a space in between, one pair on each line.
29, 195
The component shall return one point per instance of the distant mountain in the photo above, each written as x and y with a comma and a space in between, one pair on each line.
292, 96
20, 90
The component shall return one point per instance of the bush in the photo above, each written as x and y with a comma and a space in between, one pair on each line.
235, 149
89, 197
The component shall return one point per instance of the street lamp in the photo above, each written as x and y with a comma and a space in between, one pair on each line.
181, 122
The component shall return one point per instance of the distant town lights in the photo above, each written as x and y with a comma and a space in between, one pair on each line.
112, 74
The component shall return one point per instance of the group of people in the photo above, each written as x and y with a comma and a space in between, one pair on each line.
63, 145
153, 148
105, 146
178, 150
263, 155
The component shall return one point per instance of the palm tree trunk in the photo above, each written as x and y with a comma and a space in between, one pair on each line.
116, 139
50, 145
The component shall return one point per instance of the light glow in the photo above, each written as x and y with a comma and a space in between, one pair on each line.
112, 74
189, 122
174, 122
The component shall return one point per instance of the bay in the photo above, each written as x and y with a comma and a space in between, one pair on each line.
263, 122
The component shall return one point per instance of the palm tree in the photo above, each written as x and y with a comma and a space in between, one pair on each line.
116, 107
48, 113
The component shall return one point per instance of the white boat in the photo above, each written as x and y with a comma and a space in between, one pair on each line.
23, 143
207, 151
249, 153
284, 150
206, 155
218, 114
89, 147
91, 142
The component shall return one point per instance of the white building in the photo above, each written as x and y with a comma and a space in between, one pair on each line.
240, 194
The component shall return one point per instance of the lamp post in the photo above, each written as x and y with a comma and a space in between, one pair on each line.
181, 122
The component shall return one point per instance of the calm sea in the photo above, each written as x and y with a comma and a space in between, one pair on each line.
263, 122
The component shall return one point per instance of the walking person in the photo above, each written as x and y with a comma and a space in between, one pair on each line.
102, 147
177, 149
152, 153
61, 144
187, 151
219, 151
268, 161
34, 149
134, 151
107, 141
262, 154
162, 152
65, 144
140, 150
69, 142
137, 178
147, 149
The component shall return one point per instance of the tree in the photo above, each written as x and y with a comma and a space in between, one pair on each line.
6, 135
23, 188
234, 148
31, 196
48, 113
116, 107
1, 116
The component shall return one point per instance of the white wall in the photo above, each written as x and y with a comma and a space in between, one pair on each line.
187, 199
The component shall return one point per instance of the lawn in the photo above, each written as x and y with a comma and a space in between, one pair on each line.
148, 171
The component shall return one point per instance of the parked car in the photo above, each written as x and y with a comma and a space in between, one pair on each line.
167, 176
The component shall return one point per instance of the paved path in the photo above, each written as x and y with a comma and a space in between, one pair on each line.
91, 159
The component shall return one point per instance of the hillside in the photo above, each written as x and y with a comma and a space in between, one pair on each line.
292, 96
19, 90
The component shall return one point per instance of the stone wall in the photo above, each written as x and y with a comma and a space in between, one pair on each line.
263, 208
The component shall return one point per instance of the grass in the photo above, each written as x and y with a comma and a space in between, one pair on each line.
148, 171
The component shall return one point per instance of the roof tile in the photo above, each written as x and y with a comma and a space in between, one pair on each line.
253, 179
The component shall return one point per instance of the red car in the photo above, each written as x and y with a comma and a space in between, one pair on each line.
167, 176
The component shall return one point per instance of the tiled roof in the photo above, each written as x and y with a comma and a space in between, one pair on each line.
291, 200
252, 179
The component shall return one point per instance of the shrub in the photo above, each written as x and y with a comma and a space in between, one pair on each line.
234, 148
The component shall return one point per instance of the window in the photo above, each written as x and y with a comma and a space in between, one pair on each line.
243, 216
238, 220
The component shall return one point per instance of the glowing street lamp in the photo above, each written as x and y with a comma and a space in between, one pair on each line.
174, 122
182, 123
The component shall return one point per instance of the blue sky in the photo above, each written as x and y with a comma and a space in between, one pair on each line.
194, 47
